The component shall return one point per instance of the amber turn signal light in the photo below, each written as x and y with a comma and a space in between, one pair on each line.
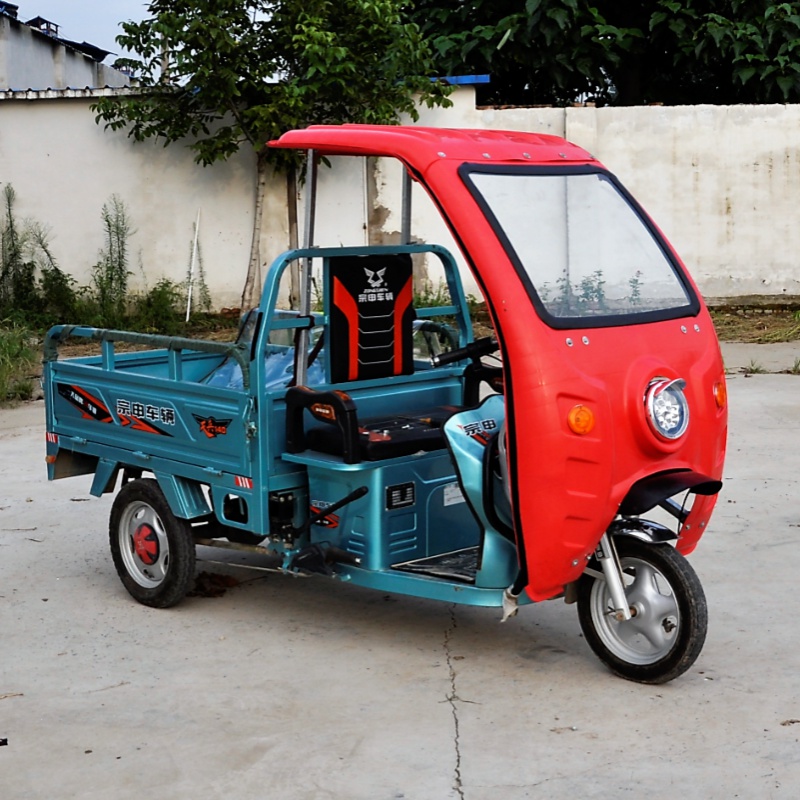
721, 394
580, 419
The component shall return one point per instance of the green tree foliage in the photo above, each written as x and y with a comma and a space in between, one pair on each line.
625, 53
220, 74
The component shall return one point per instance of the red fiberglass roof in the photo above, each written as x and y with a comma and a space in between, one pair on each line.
420, 146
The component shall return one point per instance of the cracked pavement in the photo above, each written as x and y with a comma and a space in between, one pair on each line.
454, 699
304, 690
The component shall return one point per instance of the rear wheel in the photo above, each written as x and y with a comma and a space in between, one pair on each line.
666, 633
153, 550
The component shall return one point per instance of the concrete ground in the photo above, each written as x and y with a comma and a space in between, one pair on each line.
780, 357
304, 690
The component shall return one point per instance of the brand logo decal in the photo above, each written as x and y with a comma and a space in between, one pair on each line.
375, 278
212, 427
133, 415
480, 431
378, 290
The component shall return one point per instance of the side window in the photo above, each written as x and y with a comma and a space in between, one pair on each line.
436, 328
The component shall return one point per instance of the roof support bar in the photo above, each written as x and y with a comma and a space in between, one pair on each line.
405, 222
301, 360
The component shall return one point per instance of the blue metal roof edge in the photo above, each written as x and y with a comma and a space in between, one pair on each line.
465, 80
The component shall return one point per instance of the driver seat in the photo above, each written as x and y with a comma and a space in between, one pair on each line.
370, 334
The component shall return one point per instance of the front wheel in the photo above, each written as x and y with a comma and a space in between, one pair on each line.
669, 619
153, 550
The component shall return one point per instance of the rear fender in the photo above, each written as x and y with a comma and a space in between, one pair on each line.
105, 477
185, 497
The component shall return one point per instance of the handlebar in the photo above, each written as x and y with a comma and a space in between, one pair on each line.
474, 350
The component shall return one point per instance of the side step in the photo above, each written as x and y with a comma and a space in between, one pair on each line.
459, 565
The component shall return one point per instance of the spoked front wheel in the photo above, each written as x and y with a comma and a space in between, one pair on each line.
669, 618
153, 550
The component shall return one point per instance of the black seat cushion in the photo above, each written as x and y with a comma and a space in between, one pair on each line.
387, 437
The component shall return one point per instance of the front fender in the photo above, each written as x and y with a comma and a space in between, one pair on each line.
653, 490
645, 530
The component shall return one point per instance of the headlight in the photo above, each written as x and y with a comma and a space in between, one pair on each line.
667, 409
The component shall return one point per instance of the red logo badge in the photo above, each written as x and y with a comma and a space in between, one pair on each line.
212, 427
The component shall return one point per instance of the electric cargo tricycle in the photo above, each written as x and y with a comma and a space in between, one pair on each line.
369, 437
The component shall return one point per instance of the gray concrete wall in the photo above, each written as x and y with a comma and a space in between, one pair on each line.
32, 60
720, 181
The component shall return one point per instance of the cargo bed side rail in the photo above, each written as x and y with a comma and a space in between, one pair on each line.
175, 346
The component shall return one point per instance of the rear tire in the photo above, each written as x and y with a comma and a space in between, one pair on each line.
667, 632
153, 550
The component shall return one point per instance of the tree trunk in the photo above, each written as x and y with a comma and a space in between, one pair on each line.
252, 292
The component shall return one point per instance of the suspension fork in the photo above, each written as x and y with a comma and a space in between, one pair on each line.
606, 554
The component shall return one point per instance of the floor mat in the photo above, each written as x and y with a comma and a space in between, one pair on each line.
460, 565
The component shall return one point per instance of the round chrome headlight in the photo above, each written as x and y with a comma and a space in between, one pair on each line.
667, 409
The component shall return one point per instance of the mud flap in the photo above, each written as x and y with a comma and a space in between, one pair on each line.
510, 604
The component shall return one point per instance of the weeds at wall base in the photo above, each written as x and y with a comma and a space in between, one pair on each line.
19, 355
36, 294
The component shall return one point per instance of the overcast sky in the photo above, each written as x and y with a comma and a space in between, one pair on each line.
93, 21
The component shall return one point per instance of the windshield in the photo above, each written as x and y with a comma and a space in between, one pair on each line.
585, 249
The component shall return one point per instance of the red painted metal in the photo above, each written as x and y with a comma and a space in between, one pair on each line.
566, 488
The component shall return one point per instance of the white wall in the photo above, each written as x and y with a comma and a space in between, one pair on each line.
64, 167
720, 181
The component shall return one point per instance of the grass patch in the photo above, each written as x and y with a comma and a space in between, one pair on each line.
18, 357
756, 325
753, 368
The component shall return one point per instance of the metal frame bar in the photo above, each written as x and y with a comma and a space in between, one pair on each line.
301, 365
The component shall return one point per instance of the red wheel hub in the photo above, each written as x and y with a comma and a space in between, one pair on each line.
145, 543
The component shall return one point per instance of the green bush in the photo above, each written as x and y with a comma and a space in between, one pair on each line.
18, 357
158, 311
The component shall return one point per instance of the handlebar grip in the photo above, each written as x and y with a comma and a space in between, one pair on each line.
474, 350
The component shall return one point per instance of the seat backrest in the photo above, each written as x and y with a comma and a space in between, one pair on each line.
371, 316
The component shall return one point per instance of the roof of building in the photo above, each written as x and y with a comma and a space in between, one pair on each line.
48, 28
41, 22
91, 50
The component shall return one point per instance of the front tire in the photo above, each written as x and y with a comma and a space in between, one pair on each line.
670, 616
153, 550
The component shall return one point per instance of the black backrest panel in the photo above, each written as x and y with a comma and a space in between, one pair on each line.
371, 316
